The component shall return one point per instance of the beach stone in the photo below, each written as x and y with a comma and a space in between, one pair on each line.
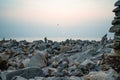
59, 74
117, 3
18, 78
41, 46
75, 78
116, 9
86, 62
116, 22
110, 75
39, 78
49, 71
31, 79
57, 78
76, 47
81, 56
74, 51
113, 61
8, 44
26, 62
25, 73
64, 64
114, 28
76, 72
104, 40
56, 46
117, 13
3, 65
64, 49
88, 65
4, 56
39, 59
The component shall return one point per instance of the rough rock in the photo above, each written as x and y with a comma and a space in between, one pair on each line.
64, 49
25, 73
113, 61
75, 78
57, 78
39, 59
26, 62
4, 56
117, 3
110, 75
18, 78
49, 71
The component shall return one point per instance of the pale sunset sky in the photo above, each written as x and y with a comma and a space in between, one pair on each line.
55, 18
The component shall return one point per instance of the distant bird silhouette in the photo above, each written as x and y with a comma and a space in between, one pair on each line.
57, 24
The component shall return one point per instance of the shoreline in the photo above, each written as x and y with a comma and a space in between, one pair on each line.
58, 39
51, 60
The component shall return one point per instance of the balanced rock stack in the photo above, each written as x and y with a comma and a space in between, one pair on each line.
113, 59
116, 26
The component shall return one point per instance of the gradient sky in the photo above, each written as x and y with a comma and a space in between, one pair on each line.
39, 18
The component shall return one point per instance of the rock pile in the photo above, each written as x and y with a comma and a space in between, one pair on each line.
113, 59
39, 60
116, 27
66, 60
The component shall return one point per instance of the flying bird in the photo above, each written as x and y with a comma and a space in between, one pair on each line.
57, 24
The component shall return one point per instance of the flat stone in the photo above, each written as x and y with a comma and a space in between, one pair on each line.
75, 78
4, 56
117, 3
57, 78
18, 78
113, 61
39, 78
38, 60
115, 28
25, 73
117, 38
110, 75
116, 9
117, 13
117, 17
116, 22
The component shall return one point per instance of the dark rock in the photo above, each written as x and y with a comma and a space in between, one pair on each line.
117, 3
57, 78
76, 72
18, 78
49, 71
25, 73
64, 64
117, 13
116, 9
117, 17
113, 61
3, 65
101, 75
73, 51
115, 28
59, 74
116, 22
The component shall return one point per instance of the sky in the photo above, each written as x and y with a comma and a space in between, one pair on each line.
55, 18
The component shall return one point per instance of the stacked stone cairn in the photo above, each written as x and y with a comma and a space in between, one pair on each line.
113, 59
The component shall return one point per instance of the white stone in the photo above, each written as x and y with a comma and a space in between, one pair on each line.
87, 61
4, 56
26, 62
38, 60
